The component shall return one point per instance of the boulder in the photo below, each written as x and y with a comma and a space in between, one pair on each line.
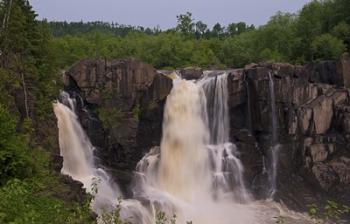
322, 114
319, 152
191, 73
341, 166
325, 175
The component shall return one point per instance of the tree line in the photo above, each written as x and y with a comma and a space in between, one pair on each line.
319, 31
186, 25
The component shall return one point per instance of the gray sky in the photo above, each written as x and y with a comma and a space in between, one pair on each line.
150, 13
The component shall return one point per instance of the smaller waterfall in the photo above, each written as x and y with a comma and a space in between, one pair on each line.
273, 154
78, 158
228, 169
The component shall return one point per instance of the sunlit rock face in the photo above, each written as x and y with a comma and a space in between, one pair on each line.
312, 110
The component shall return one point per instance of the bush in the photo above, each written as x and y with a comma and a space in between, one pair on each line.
21, 204
14, 157
327, 46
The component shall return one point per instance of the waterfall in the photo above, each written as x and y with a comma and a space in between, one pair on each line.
195, 173
228, 169
192, 172
273, 154
215, 88
184, 165
78, 159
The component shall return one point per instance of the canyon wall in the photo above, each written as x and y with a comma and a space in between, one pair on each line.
120, 105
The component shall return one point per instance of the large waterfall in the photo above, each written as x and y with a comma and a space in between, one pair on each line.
195, 173
184, 162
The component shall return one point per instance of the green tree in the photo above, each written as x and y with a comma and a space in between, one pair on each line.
276, 40
342, 31
185, 23
217, 30
327, 46
201, 28
14, 158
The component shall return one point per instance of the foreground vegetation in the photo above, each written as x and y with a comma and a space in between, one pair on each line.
31, 192
33, 52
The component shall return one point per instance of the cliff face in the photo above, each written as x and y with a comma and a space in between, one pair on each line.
120, 105
312, 118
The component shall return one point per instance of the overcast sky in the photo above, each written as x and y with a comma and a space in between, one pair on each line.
150, 13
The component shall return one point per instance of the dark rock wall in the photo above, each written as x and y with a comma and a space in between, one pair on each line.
120, 105
313, 113
312, 129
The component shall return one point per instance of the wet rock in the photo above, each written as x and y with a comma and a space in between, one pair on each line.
322, 114
191, 73
325, 175
341, 166
319, 152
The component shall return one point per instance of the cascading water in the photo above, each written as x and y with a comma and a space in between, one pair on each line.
182, 177
195, 173
273, 154
184, 164
228, 169
78, 159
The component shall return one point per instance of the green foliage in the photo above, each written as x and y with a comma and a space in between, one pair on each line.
162, 218
239, 50
114, 216
27, 184
319, 31
279, 220
136, 111
331, 211
30, 192
110, 118
80, 28
14, 157
327, 46
185, 23
21, 204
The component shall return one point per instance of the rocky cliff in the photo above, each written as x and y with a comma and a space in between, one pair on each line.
120, 105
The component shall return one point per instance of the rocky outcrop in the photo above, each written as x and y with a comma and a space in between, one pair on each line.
313, 124
120, 105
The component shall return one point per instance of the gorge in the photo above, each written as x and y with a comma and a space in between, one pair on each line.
228, 139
